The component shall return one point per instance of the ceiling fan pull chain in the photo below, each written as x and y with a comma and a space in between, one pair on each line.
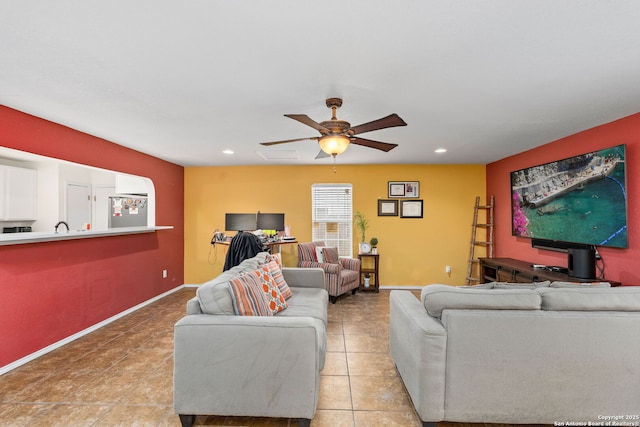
334, 163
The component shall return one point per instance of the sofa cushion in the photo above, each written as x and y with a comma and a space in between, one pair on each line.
437, 298
307, 302
580, 284
533, 285
330, 255
249, 298
590, 299
488, 285
349, 276
215, 295
275, 299
276, 273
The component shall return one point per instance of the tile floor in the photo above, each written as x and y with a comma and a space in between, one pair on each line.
121, 375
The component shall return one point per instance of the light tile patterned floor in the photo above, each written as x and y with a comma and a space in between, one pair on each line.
122, 374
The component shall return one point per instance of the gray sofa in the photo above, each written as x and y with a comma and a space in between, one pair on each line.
537, 354
259, 366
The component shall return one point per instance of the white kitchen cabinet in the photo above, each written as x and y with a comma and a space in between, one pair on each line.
18, 194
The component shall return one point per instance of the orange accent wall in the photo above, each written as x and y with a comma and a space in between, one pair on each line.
620, 264
49, 291
413, 252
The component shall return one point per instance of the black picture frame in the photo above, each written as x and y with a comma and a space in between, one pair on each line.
387, 207
404, 189
411, 208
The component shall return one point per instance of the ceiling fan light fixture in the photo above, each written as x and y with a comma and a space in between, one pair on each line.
334, 144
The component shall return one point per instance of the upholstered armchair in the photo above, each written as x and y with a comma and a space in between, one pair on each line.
341, 274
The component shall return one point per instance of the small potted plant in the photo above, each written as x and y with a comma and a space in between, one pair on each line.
374, 245
362, 223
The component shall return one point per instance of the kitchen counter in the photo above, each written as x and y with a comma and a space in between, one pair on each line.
45, 236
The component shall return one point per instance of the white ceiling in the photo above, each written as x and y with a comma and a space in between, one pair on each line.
185, 79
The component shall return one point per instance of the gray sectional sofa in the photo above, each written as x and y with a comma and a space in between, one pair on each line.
261, 366
537, 354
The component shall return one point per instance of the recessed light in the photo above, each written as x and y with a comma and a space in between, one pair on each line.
440, 150
227, 151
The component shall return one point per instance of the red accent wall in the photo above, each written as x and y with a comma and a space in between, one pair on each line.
620, 264
49, 291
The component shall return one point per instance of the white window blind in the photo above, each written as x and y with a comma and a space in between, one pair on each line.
332, 216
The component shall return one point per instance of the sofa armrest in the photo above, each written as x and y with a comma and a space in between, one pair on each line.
247, 365
193, 306
304, 277
418, 346
350, 263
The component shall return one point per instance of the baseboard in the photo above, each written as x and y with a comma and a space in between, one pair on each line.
67, 340
402, 288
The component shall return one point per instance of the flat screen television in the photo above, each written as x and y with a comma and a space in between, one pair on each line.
271, 221
240, 222
579, 200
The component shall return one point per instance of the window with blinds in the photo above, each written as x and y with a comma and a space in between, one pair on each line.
332, 216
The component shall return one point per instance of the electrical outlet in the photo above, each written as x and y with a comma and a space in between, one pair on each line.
447, 269
164, 274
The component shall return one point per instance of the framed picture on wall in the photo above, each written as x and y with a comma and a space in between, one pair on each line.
408, 189
411, 209
387, 207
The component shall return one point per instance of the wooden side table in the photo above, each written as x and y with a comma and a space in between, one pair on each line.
369, 267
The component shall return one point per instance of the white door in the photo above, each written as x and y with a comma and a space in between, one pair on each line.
101, 207
78, 206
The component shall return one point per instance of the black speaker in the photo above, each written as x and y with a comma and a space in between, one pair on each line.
582, 263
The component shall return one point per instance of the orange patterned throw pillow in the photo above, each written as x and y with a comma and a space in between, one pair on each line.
248, 296
276, 273
275, 257
275, 299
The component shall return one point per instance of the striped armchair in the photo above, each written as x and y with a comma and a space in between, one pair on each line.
340, 276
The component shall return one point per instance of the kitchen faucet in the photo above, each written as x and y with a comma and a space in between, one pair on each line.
58, 224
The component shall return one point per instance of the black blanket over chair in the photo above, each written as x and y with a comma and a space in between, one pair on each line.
243, 246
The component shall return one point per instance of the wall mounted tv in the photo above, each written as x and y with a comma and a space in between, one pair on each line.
579, 200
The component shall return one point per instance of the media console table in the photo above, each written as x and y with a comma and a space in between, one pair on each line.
517, 271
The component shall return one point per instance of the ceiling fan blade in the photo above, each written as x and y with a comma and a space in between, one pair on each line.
303, 118
384, 146
392, 120
322, 155
312, 138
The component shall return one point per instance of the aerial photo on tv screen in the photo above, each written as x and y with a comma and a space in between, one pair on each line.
581, 199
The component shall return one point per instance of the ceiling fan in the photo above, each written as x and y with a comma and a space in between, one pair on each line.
336, 135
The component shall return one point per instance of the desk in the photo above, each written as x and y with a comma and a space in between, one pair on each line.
269, 245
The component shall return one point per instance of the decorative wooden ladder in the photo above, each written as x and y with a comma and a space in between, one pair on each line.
488, 237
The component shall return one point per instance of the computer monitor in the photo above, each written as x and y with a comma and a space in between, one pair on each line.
271, 221
240, 222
